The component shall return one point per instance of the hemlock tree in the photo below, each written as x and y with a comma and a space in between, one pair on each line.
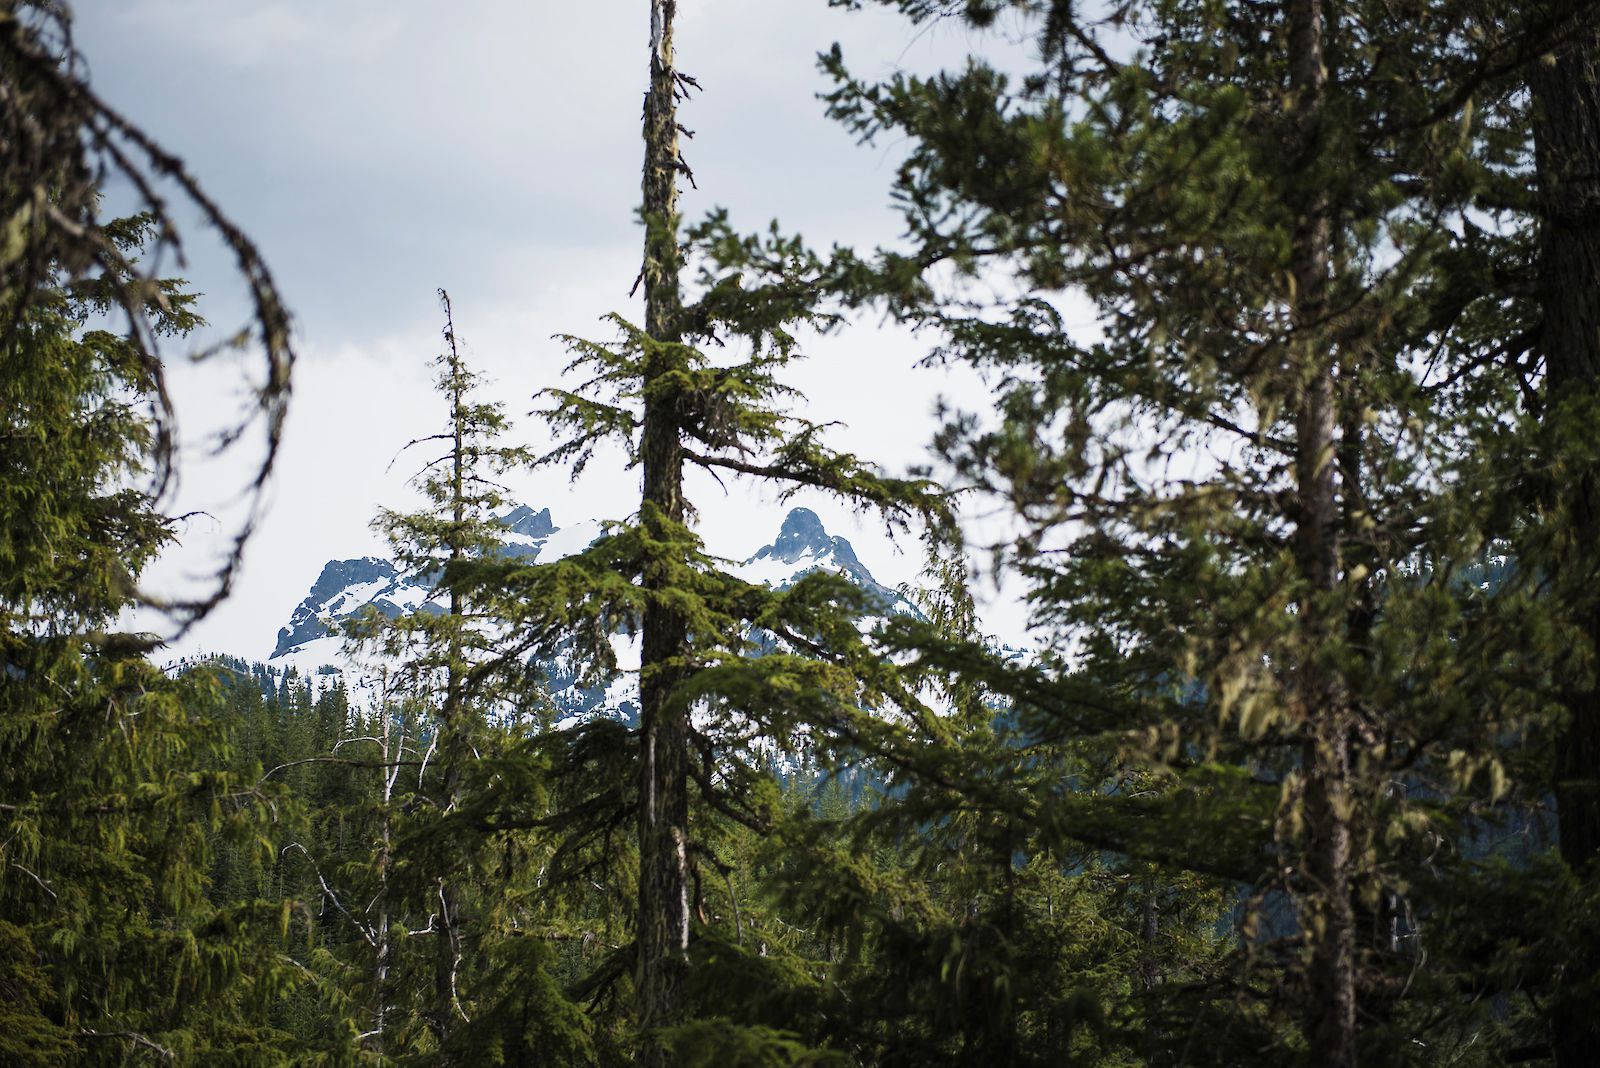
102, 811
712, 717
111, 950
113, 795
466, 911
1243, 503
60, 140
438, 649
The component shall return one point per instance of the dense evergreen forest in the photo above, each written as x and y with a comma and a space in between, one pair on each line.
1302, 769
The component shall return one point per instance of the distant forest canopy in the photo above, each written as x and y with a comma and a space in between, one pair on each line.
1303, 769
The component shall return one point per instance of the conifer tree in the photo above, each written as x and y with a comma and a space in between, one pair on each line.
1566, 122
1235, 526
712, 717
112, 950
438, 655
662, 941
113, 770
59, 141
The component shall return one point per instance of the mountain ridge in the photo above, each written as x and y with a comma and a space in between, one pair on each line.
311, 642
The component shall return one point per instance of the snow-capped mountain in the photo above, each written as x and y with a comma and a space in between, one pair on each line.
311, 642
804, 545
346, 587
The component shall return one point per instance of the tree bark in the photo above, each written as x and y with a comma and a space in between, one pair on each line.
1319, 693
663, 927
447, 948
1566, 95
381, 947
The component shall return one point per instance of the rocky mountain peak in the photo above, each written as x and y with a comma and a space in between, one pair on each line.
342, 586
804, 545
802, 537
338, 574
348, 587
525, 521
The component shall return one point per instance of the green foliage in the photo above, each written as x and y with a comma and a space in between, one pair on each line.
901, 845
62, 141
734, 676
28, 1033
714, 1041
1162, 163
113, 805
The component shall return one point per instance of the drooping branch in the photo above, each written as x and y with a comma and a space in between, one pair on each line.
59, 139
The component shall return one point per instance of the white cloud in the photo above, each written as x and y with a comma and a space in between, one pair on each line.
377, 149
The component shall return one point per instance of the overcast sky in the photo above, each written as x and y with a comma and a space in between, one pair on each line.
379, 149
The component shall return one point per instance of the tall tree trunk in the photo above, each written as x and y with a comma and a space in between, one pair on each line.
392, 738
447, 947
1329, 918
663, 927
1149, 932
1567, 138
380, 931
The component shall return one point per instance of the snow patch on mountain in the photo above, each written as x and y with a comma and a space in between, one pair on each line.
568, 541
527, 531
312, 645
804, 545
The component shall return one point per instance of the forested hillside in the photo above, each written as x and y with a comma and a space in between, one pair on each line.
1300, 765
